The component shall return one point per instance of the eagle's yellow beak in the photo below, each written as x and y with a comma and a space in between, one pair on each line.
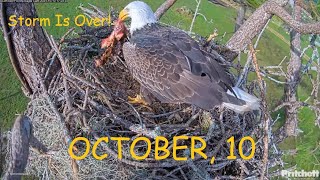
124, 14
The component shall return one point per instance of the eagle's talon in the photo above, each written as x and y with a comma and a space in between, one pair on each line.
137, 100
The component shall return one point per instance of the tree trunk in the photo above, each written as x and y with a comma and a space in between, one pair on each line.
27, 45
293, 78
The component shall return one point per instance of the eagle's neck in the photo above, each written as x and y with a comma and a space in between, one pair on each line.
138, 21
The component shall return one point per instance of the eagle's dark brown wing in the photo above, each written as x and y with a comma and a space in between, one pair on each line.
200, 62
172, 67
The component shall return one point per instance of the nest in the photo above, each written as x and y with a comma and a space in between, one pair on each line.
85, 101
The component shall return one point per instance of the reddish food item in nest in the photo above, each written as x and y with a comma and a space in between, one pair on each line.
118, 32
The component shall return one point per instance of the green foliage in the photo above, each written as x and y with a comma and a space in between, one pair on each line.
12, 100
254, 3
172, 17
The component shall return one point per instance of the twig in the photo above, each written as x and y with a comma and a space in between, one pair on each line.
266, 115
194, 16
245, 71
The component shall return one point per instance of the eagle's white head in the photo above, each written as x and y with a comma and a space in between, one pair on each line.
140, 13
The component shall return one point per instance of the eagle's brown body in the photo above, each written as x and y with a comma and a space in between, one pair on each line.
170, 64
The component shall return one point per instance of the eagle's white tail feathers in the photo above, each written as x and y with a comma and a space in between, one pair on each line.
252, 102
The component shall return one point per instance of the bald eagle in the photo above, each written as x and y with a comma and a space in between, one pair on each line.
171, 66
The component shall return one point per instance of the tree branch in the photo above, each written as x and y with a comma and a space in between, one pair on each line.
303, 28
163, 8
266, 115
194, 16
260, 17
293, 76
